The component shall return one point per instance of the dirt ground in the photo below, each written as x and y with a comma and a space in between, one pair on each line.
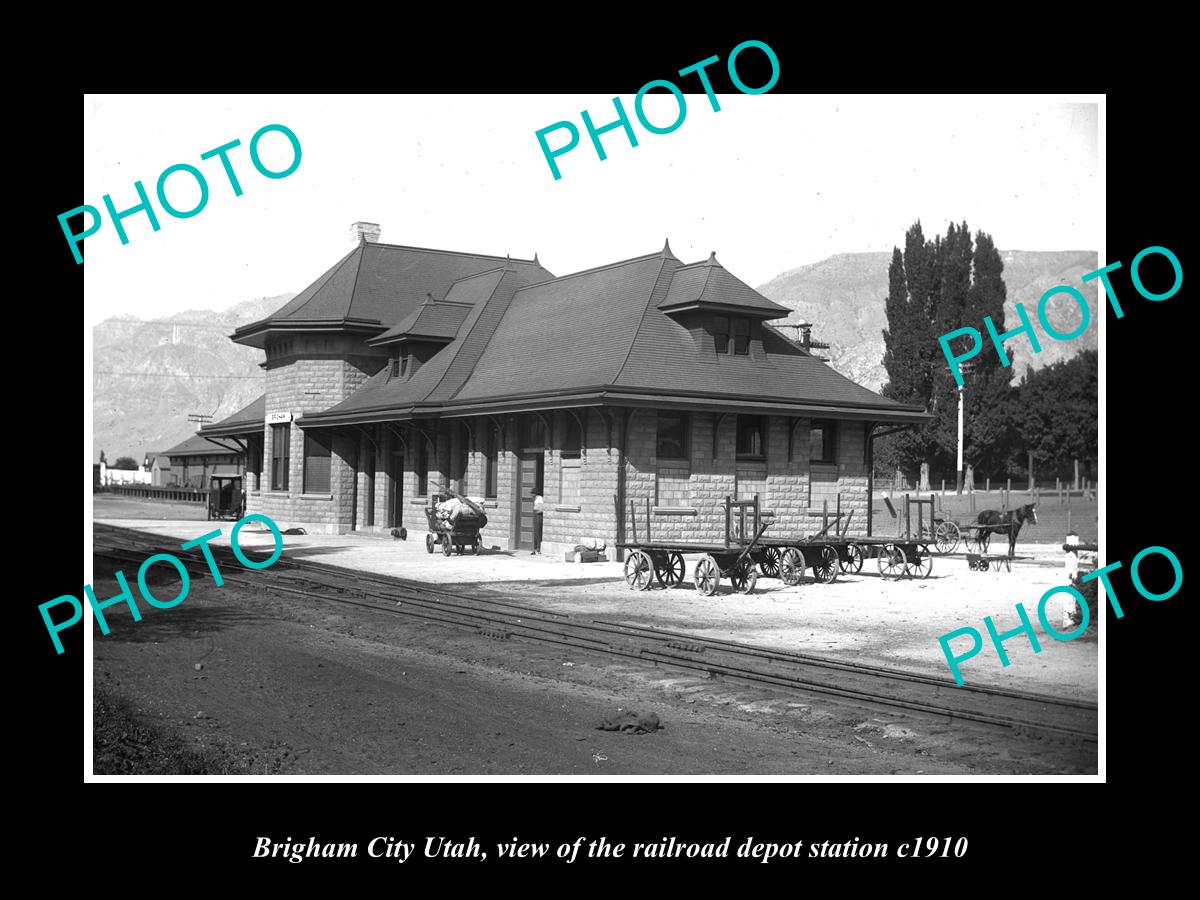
861, 618
307, 686
310, 687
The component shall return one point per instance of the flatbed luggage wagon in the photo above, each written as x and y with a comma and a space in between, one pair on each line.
663, 560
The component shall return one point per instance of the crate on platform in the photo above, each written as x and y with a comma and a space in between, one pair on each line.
585, 556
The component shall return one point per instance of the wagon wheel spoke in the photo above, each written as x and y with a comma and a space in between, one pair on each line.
853, 562
825, 569
737, 579
707, 576
892, 561
947, 537
638, 571
744, 578
669, 569
770, 562
791, 566
922, 565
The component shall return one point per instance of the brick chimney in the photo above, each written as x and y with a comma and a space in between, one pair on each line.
364, 233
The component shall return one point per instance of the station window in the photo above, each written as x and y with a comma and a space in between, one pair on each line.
741, 337
672, 436
317, 457
823, 441
572, 440
751, 437
280, 439
422, 466
721, 333
491, 452
533, 433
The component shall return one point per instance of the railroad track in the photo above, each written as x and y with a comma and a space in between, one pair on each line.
501, 618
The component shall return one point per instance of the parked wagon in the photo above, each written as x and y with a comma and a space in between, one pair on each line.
225, 497
648, 561
981, 562
460, 533
898, 557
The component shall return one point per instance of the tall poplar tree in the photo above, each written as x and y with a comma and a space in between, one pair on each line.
989, 395
935, 287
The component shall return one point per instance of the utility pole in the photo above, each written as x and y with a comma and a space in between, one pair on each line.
958, 477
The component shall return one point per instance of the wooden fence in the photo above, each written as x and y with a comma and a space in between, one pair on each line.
151, 492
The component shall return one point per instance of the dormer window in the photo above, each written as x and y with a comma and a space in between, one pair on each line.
741, 337
737, 327
402, 364
721, 333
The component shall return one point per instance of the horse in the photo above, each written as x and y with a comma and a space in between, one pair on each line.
1010, 522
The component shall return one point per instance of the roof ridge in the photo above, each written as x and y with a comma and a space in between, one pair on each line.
328, 276
712, 262
482, 307
447, 252
612, 265
477, 275
641, 321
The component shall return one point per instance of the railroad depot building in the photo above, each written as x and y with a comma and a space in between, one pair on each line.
403, 371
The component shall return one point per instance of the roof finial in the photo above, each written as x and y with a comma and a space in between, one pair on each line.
666, 250
712, 259
429, 297
535, 259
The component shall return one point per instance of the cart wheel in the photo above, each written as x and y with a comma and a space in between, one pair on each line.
947, 537
707, 576
447, 549
791, 566
669, 569
922, 565
891, 561
825, 568
476, 546
853, 562
638, 571
429, 542
744, 577
769, 565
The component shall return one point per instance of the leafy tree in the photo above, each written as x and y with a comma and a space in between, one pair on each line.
1057, 416
126, 462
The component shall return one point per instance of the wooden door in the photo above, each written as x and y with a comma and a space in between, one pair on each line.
529, 482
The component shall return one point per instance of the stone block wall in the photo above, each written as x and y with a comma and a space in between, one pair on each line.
321, 372
590, 513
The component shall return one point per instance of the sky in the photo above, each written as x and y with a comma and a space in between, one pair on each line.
770, 182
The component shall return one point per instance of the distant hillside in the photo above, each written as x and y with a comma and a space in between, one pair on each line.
843, 297
149, 375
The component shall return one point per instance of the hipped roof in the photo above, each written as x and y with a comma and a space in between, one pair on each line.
375, 286
602, 336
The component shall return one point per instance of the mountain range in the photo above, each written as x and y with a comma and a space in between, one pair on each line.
843, 296
150, 375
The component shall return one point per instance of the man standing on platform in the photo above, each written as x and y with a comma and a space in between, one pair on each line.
537, 524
